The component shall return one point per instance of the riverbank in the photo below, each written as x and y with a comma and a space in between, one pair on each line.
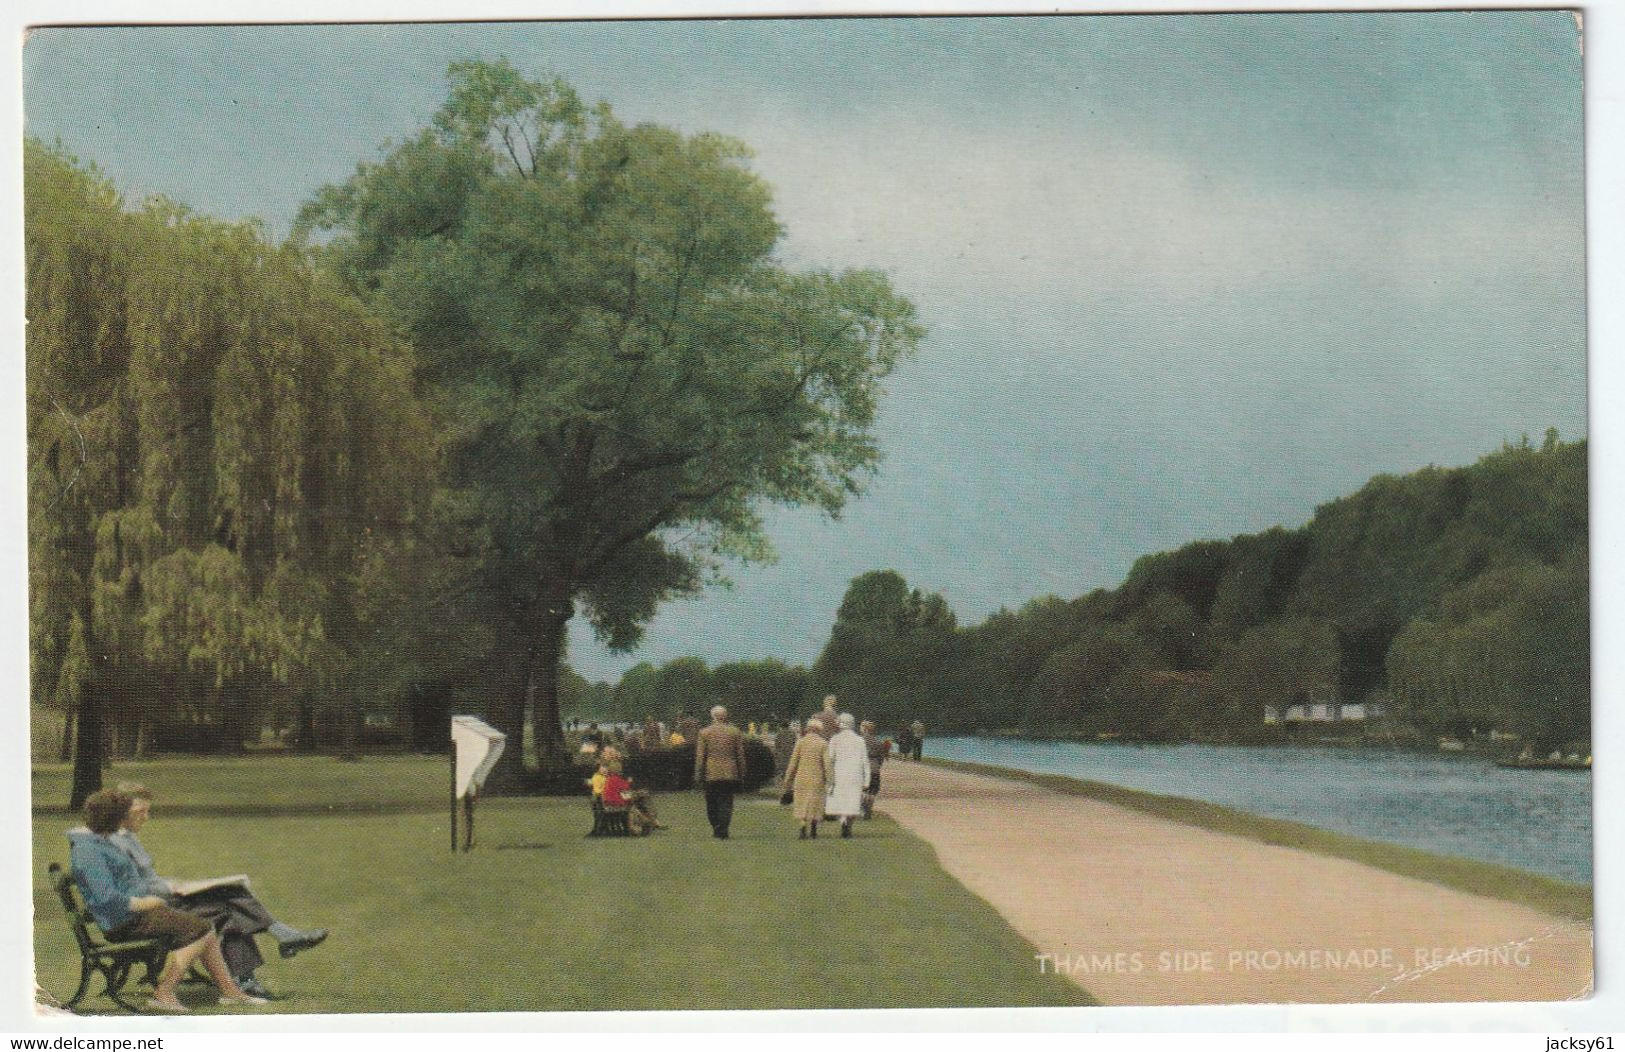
1454, 804
1147, 900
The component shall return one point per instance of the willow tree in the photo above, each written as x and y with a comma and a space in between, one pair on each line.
215, 431
625, 370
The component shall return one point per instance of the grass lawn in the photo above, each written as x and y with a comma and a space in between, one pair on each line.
1479, 878
538, 918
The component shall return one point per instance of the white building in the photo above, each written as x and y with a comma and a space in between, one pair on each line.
1323, 711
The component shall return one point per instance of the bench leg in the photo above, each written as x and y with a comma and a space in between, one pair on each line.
85, 972
117, 976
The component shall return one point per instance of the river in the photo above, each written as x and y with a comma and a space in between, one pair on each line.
1447, 803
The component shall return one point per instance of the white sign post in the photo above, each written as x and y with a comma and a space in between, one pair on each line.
475, 748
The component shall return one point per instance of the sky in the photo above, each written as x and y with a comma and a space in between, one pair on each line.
1184, 276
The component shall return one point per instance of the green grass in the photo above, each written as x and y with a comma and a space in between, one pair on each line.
1480, 878
267, 784
538, 918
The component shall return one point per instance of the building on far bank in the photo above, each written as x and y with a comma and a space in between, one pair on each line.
1324, 710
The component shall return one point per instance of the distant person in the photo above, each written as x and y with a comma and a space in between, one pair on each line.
126, 905
784, 744
806, 776
231, 909
848, 763
917, 738
877, 748
905, 744
595, 787
719, 768
652, 738
688, 727
828, 721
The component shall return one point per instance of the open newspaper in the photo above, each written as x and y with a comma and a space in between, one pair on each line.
184, 888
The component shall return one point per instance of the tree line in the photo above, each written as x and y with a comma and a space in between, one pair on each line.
1455, 598
533, 363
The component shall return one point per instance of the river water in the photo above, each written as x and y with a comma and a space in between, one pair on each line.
1452, 804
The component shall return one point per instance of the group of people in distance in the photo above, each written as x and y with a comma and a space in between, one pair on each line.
833, 772
129, 901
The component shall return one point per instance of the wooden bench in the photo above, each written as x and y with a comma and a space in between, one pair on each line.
113, 960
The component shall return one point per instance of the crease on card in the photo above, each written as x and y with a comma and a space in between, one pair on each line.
1406, 976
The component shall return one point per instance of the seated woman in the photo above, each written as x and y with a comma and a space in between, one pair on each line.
638, 804
118, 898
236, 915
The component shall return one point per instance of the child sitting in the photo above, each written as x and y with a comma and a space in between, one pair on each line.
596, 785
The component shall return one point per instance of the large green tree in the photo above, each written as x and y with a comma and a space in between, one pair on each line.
624, 370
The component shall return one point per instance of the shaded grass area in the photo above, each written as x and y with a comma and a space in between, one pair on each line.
538, 918
1479, 878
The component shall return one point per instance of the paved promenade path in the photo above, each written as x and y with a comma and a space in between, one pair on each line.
1140, 910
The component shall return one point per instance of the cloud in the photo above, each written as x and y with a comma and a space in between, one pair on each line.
1030, 213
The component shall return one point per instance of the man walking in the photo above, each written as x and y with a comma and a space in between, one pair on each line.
917, 731
877, 748
719, 768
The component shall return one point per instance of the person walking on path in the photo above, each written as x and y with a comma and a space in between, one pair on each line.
877, 748
719, 768
806, 776
828, 721
917, 733
848, 759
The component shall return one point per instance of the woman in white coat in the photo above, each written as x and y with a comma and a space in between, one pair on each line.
847, 758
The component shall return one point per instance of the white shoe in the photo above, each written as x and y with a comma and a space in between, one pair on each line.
247, 1000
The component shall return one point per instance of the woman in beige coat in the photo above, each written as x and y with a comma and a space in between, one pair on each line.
807, 775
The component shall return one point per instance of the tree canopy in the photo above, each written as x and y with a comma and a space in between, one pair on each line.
219, 439
624, 371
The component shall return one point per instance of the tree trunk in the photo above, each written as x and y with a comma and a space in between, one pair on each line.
87, 754
353, 721
304, 732
551, 752
231, 701
66, 752
506, 712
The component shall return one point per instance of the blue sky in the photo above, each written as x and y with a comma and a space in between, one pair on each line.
1186, 276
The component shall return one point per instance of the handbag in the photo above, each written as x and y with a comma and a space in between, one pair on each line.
788, 798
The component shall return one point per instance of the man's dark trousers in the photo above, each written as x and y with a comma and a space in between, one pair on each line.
719, 806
